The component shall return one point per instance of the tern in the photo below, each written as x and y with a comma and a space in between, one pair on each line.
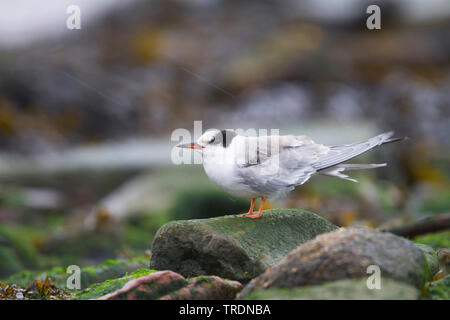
272, 166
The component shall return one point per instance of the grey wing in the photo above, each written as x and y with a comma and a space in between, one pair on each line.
344, 153
279, 173
299, 158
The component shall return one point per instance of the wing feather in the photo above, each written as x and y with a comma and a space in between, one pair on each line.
279, 163
344, 153
274, 165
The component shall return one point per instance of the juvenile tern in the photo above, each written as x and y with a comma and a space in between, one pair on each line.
272, 166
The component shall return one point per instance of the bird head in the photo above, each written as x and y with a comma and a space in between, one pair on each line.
213, 138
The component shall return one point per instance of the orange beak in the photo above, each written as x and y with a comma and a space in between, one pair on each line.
191, 145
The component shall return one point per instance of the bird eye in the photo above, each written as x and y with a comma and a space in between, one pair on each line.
212, 140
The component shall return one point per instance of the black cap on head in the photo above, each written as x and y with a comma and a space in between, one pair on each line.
227, 136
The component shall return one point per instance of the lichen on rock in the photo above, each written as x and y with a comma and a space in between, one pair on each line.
148, 287
99, 289
234, 247
168, 285
347, 253
344, 289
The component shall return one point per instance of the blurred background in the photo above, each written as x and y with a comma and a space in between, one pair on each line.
86, 115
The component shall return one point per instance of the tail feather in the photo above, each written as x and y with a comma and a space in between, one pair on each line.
336, 171
395, 140
340, 154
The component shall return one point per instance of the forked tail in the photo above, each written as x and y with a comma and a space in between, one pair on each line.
332, 164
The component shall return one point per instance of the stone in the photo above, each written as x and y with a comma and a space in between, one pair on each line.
234, 247
168, 285
347, 253
206, 288
149, 287
344, 289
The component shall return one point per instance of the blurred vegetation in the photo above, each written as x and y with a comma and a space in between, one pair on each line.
436, 203
435, 240
437, 290
206, 203
152, 66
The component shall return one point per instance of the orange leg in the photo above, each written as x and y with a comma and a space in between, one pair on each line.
250, 212
263, 199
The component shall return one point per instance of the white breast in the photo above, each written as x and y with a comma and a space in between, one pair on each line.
220, 166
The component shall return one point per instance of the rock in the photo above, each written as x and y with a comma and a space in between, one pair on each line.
346, 253
232, 246
206, 288
99, 289
168, 285
345, 289
148, 287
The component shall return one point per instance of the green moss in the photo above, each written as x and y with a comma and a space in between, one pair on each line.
240, 248
435, 240
277, 232
431, 259
100, 289
111, 269
108, 270
437, 290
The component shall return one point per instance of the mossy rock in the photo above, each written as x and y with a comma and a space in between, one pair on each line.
432, 264
206, 288
347, 253
149, 284
345, 289
233, 247
110, 269
100, 289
